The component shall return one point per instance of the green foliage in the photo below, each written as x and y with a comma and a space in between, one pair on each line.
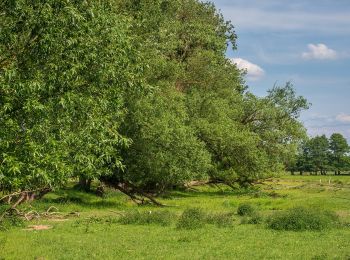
192, 218
136, 92
256, 218
339, 149
165, 151
64, 69
11, 221
249, 213
107, 239
158, 217
221, 219
245, 209
301, 219
320, 154
185, 43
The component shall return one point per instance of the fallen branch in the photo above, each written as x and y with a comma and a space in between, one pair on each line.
136, 194
27, 195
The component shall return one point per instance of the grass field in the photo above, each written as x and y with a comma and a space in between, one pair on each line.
97, 234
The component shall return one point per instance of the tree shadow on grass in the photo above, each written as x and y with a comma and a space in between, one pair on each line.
73, 197
98, 204
211, 193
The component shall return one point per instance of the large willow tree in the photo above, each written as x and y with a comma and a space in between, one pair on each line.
247, 137
64, 69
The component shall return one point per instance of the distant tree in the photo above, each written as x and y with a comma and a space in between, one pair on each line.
305, 161
301, 162
339, 148
319, 154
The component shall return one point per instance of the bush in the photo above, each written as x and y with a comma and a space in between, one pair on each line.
192, 218
9, 222
220, 219
244, 220
301, 219
163, 218
245, 209
256, 218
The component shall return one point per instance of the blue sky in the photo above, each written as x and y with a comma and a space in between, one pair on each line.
303, 41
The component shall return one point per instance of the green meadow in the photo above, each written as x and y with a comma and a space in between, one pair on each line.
84, 226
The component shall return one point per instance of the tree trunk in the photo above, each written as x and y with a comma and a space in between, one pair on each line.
84, 184
100, 190
134, 193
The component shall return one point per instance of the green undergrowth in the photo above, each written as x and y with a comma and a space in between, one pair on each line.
245, 209
158, 217
193, 218
190, 218
301, 219
202, 223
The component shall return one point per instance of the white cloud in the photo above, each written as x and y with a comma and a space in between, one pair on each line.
254, 72
319, 52
318, 124
344, 118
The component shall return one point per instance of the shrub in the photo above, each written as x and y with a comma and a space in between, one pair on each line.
220, 219
163, 218
256, 218
11, 221
244, 220
8, 220
245, 209
301, 219
192, 218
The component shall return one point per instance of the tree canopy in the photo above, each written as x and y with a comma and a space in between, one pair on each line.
322, 154
138, 94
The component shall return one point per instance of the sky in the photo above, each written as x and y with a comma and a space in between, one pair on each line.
306, 42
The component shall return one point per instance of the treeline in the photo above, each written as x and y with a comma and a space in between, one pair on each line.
321, 155
135, 93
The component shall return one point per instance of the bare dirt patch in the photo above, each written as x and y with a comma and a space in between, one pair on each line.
38, 227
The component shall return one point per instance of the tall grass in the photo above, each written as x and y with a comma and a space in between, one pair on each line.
301, 219
158, 217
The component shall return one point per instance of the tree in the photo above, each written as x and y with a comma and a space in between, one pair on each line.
304, 161
339, 148
138, 94
314, 155
64, 69
165, 151
185, 43
274, 119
